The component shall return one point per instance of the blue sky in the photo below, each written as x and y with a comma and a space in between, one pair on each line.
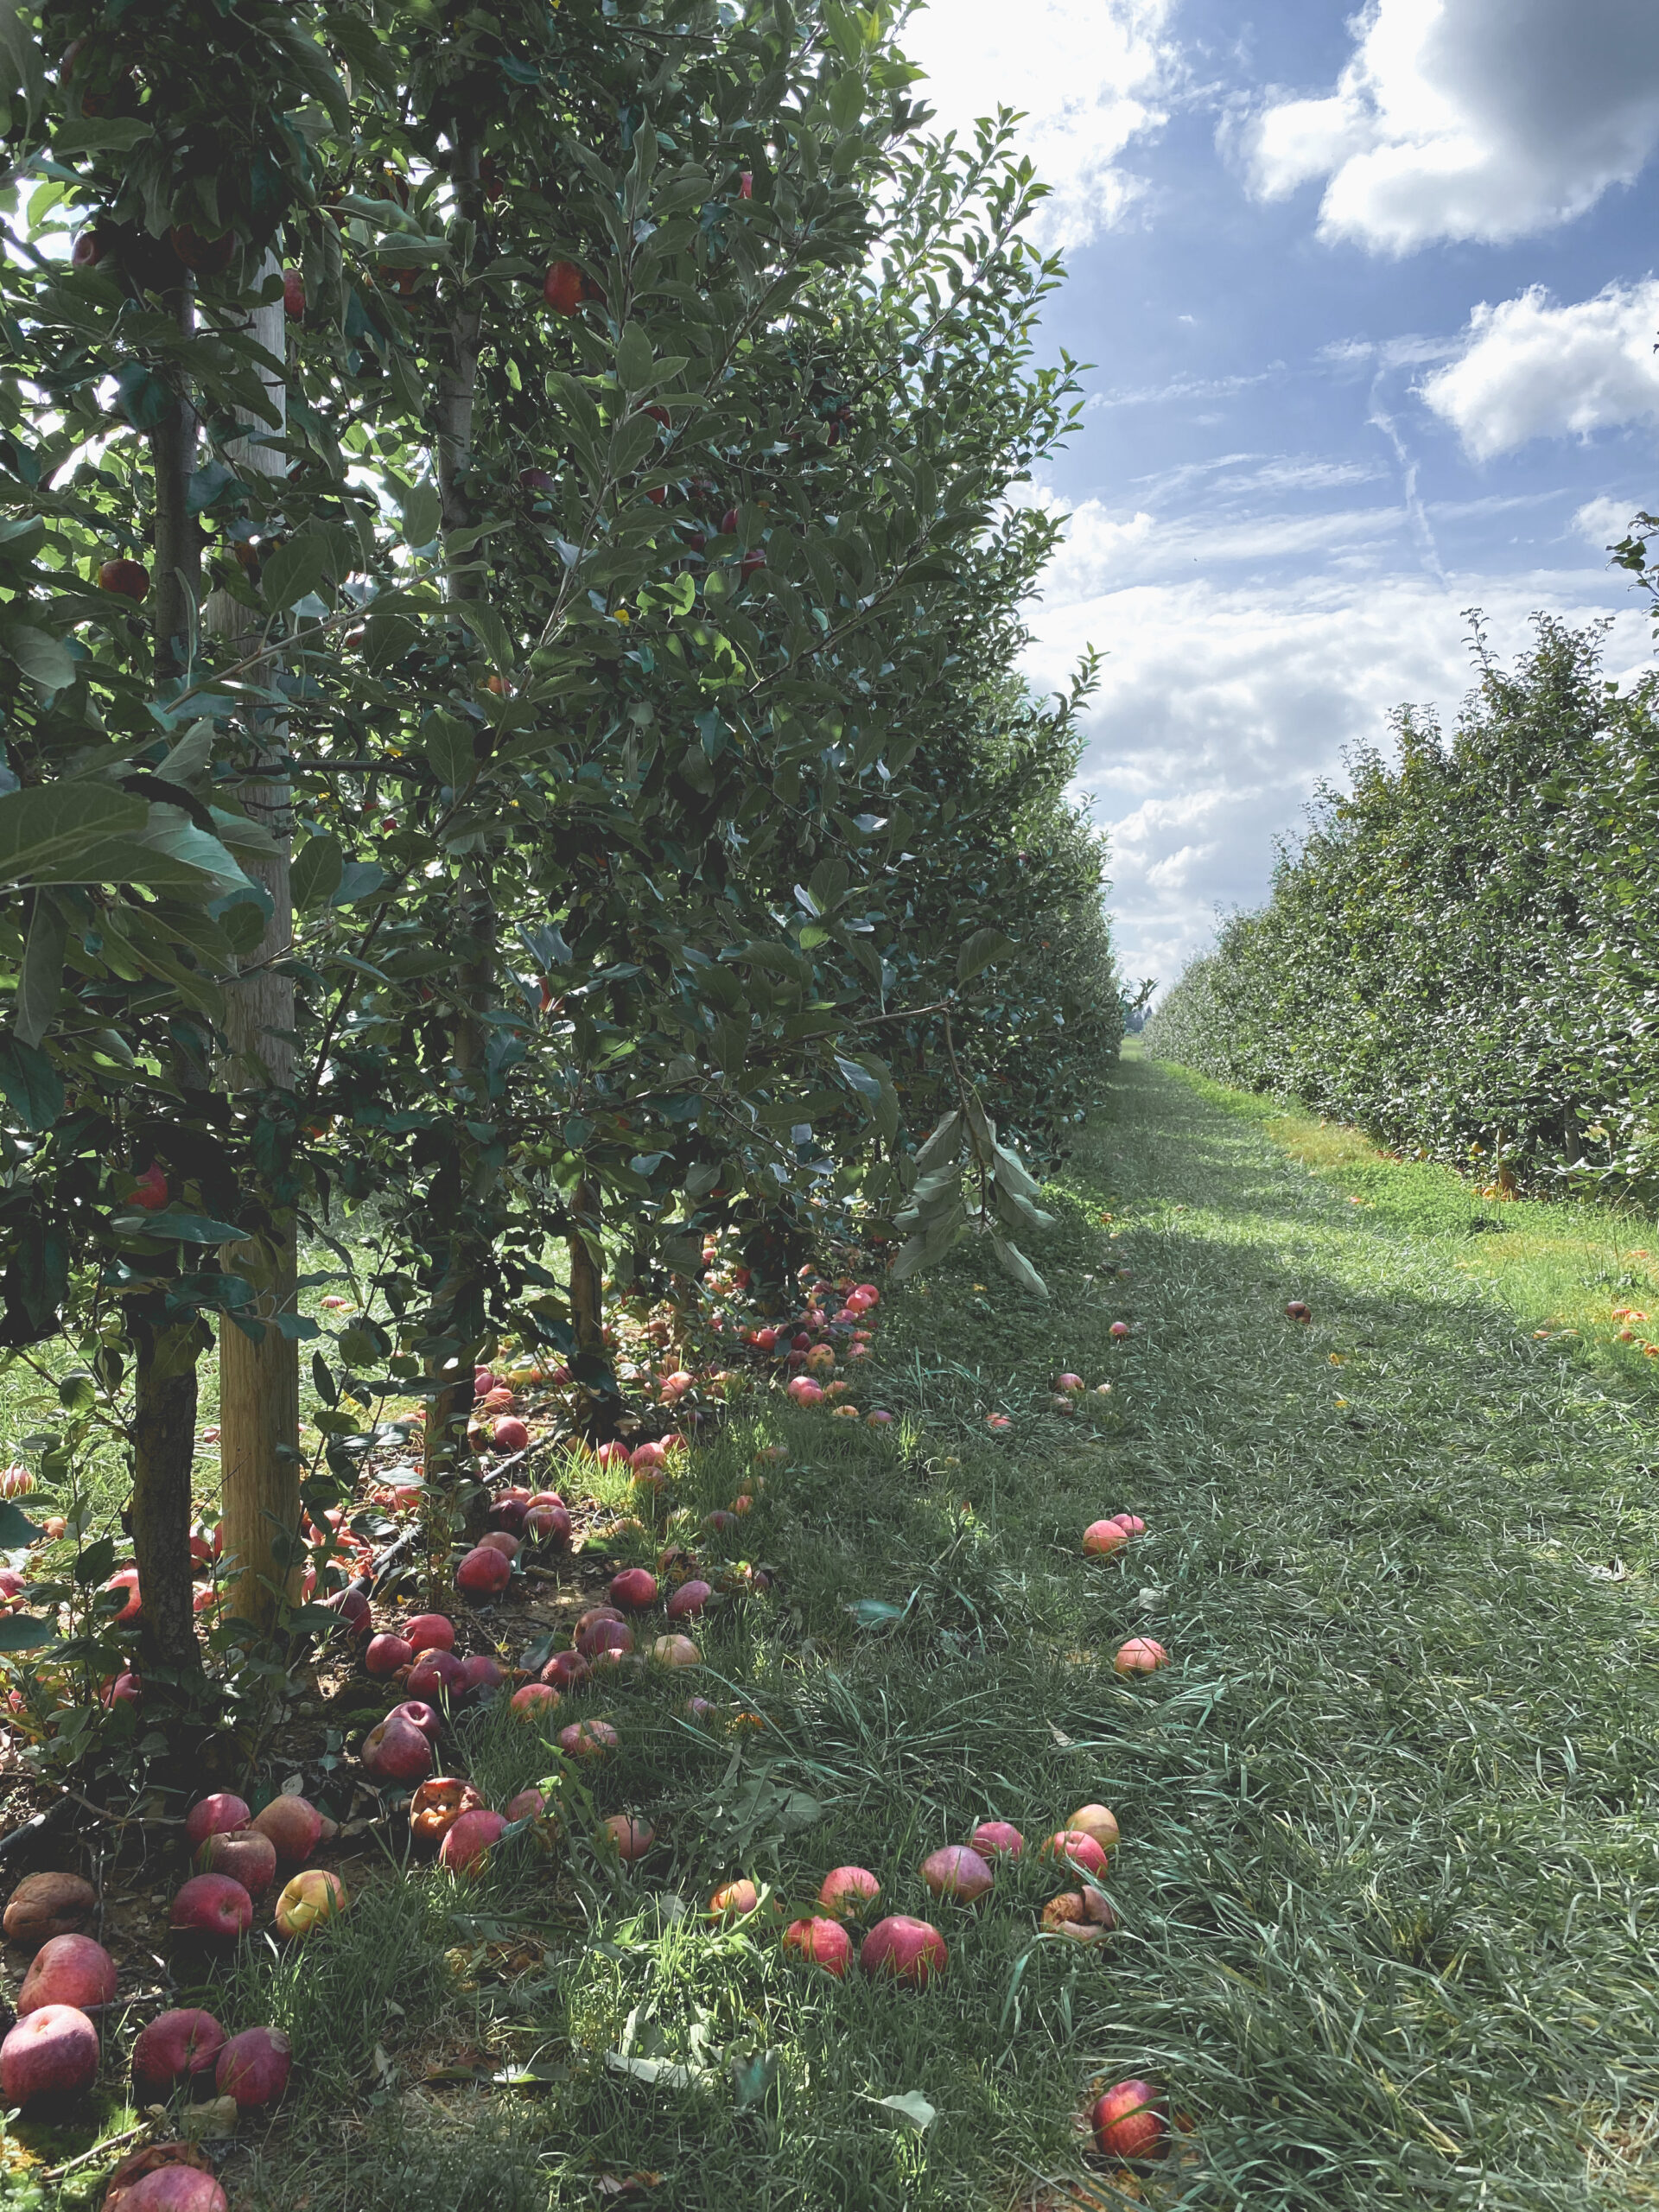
1371, 302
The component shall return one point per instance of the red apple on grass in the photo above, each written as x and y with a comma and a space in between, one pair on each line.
1299, 1310
602, 1631
628, 1835
176, 2047
734, 1900
1077, 1848
997, 1839
675, 1651
465, 1846
172, 2188
957, 1871
635, 1587
534, 1701
588, 1740
1141, 1654
1129, 2121
566, 1670
254, 2066
431, 1632
214, 1906
314, 1894
822, 1942
247, 1855
528, 1805
397, 1751
419, 1715
53, 2053
294, 1825
509, 1434
849, 1893
904, 1949
481, 1675
436, 1674
1102, 1538
548, 1524
483, 1573
1085, 1916
69, 1970
386, 1653
688, 1600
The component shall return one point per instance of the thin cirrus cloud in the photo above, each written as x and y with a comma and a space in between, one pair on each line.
1484, 120
1529, 368
1090, 76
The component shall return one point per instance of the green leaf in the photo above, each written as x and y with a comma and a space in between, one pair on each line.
877, 1612
1016, 1264
422, 515
45, 660
21, 1632
95, 134
446, 742
30, 1083
911, 2107
983, 948
358, 879
293, 570
315, 876
636, 362
944, 1141
40, 980
752, 2078
180, 1227
18, 1531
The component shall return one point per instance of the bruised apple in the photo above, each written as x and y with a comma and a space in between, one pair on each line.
386, 1653
45, 1905
956, 1871
438, 1804
465, 1846
254, 2066
397, 1751
294, 1825
1128, 2121
997, 1839
174, 2187
588, 1740
1077, 1849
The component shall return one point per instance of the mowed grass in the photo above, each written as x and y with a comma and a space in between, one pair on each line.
1389, 1867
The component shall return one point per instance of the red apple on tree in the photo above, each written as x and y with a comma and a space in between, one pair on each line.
131, 580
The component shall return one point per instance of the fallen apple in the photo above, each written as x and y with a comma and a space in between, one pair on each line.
51, 2053
588, 1740
675, 1651
996, 1839
608, 1633
1098, 1821
1085, 1916
1076, 1849
957, 1871
212, 1905
174, 2187
247, 1855
397, 1751
1299, 1310
534, 1701
431, 1632
629, 1837
688, 1600
904, 1950
822, 1942
176, 2047
635, 1587
1129, 2122
387, 1654
509, 1434
314, 1895
437, 1805
465, 1846
500, 1541
294, 1825
436, 1674
211, 1815
254, 2066
481, 1675
566, 1670
734, 1900
849, 1893
419, 1715
69, 1970
48, 1904
1141, 1654
1102, 1538
483, 1573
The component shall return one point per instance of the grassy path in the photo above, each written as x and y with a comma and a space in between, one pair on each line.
1389, 1868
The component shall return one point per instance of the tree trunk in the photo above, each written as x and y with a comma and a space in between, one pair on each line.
259, 1383
449, 1410
164, 1358
163, 1443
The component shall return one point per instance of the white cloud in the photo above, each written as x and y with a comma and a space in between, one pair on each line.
1100, 554
1091, 75
1605, 521
1488, 119
1220, 707
1531, 369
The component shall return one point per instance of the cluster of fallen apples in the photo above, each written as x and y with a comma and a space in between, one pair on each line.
53, 2053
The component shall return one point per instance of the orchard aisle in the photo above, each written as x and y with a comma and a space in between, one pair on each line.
1385, 1881
1389, 1851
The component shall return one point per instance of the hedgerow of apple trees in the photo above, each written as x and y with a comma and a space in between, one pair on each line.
1460, 955
509, 583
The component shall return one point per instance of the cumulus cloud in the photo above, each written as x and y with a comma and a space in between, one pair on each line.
1090, 76
1531, 369
1220, 707
1605, 522
1485, 119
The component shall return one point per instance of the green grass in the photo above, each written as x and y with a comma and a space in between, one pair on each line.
1388, 1870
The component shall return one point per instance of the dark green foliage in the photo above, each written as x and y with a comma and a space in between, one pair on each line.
1463, 954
